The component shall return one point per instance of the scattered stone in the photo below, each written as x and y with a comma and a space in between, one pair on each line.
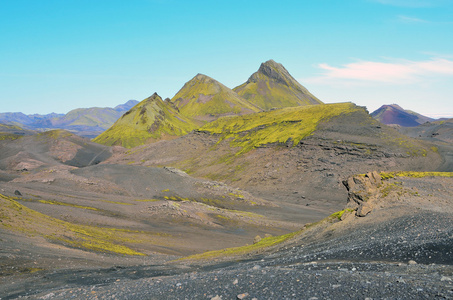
412, 262
242, 296
17, 193
445, 278
267, 235
364, 209
236, 281
256, 267
217, 297
256, 239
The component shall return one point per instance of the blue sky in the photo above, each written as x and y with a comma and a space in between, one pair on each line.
59, 55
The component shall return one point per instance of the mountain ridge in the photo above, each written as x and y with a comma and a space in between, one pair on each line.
86, 122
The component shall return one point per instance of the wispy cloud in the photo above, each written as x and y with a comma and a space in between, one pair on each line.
413, 3
406, 19
400, 72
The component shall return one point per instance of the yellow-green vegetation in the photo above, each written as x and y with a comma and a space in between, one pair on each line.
393, 187
412, 147
117, 202
203, 97
66, 204
273, 87
339, 214
287, 125
6, 127
150, 120
387, 175
17, 217
9, 136
147, 200
54, 134
263, 243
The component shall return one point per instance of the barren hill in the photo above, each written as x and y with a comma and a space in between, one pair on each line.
395, 114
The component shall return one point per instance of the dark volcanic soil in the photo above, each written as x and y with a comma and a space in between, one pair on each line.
402, 249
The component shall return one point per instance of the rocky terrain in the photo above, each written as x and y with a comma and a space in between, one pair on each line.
177, 201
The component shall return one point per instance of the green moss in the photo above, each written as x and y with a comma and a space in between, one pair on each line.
147, 200
339, 214
66, 204
262, 244
387, 175
54, 134
9, 136
18, 217
267, 93
392, 187
283, 126
151, 120
117, 202
204, 97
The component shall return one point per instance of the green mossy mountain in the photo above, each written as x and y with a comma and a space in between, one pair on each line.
281, 126
205, 99
150, 120
273, 87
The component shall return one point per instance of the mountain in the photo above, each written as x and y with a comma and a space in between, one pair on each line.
86, 122
126, 106
32, 121
395, 114
298, 155
205, 99
273, 87
150, 120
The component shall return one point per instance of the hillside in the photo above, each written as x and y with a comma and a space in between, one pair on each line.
295, 157
151, 120
395, 114
440, 131
273, 87
205, 99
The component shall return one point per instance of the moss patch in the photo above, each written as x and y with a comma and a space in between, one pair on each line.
284, 126
263, 243
387, 175
17, 217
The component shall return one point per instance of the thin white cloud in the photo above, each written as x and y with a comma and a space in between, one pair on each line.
406, 19
401, 72
414, 3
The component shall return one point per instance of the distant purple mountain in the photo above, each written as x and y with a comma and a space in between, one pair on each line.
87, 122
395, 114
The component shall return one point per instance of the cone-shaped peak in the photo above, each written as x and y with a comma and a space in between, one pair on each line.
205, 99
274, 71
273, 87
154, 97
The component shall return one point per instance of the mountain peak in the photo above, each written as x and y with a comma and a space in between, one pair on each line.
273, 87
154, 97
205, 99
395, 114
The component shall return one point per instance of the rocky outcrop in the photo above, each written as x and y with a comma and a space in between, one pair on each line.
362, 190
